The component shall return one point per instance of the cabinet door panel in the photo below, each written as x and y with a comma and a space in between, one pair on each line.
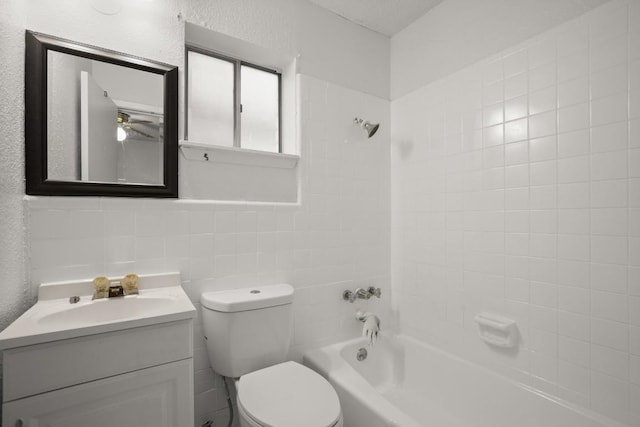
54, 365
154, 397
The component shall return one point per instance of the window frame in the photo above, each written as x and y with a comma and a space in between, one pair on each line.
237, 93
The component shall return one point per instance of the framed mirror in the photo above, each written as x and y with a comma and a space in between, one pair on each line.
98, 122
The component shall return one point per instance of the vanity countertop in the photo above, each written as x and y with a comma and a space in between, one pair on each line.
161, 299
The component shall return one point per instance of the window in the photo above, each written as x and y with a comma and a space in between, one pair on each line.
232, 103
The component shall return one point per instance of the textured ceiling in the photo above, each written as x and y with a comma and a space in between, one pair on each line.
391, 16
384, 16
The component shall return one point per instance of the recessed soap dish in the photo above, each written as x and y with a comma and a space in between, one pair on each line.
497, 330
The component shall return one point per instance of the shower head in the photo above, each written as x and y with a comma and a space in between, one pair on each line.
369, 128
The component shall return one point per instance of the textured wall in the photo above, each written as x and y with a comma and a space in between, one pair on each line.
13, 289
516, 189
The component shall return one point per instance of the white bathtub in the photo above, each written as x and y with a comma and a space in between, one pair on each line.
404, 382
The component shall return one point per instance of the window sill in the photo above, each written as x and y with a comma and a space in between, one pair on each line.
196, 151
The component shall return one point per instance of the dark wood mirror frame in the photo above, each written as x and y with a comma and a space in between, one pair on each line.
37, 46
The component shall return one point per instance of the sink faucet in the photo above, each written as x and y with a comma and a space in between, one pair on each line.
105, 288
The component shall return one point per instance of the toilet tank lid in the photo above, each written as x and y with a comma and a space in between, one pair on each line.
244, 299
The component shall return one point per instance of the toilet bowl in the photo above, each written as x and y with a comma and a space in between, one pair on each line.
248, 332
287, 395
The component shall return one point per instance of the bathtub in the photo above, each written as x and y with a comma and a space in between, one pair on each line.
404, 382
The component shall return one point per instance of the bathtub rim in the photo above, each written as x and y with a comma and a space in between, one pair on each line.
310, 358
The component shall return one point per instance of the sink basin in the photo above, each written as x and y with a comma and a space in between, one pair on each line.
107, 310
53, 317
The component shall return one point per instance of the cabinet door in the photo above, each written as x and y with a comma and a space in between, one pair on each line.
161, 396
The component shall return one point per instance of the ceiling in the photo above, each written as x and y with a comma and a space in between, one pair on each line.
389, 17
384, 16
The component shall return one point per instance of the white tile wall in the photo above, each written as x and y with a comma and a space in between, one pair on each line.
540, 206
337, 238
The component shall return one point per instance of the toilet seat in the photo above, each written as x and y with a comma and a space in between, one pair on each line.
247, 421
288, 395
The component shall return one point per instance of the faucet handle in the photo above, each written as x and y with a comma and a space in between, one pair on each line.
130, 284
101, 287
349, 296
362, 293
373, 291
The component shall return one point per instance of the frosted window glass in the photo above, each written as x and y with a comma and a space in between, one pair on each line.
210, 98
260, 110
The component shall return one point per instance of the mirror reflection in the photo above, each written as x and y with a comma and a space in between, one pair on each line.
105, 122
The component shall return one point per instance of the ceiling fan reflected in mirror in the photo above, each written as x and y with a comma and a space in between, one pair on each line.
137, 126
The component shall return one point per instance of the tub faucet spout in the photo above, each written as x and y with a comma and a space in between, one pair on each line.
371, 328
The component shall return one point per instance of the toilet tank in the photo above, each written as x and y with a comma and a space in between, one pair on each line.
247, 329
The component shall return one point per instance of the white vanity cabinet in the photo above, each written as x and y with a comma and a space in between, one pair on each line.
152, 397
118, 362
140, 377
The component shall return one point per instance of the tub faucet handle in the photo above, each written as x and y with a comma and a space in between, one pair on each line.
359, 293
362, 293
348, 296
374, 292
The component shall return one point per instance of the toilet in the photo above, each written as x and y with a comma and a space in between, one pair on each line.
248, 332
